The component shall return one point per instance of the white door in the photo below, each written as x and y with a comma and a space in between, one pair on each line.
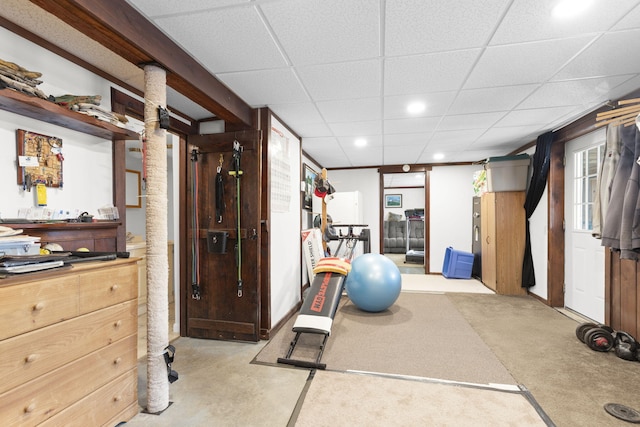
584, 256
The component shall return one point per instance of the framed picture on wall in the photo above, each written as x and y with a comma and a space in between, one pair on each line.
393, 200
309, 176
133, 189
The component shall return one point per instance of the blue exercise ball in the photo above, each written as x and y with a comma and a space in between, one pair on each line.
374, 282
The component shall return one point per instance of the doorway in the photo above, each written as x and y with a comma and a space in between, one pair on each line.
584, 255
403, 214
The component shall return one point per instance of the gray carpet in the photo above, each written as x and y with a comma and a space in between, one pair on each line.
538, 346
421, 335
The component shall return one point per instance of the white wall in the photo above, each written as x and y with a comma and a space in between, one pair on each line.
450, 208
367, 182
412, 198
87, 166
538, 228
284, 233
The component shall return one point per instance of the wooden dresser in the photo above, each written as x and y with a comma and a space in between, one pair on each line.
68, 346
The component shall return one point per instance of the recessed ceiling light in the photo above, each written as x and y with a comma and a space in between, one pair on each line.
570, 8
416, 107
360, 142
438, 156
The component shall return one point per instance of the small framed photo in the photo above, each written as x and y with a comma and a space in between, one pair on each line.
309, 176
393, 200
134, 193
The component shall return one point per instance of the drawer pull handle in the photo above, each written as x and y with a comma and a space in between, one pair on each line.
30, 408
117, 398
117, 324
39, 306
117, 361
31, 358
114, 288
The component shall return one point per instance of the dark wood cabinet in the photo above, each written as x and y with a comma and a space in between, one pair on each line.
95, 236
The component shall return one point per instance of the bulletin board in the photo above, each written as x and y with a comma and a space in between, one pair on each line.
43, 154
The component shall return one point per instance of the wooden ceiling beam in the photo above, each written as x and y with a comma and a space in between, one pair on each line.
122, 29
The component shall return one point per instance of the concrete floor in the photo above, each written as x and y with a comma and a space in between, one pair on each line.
218, 386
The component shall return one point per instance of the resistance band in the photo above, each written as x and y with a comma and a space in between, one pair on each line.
237, 172
219, 191
195, 249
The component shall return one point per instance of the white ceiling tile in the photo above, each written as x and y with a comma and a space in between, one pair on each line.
154, 8
573, 92
397, 140
477, 155
260, 88
470, 121
303, 113
611, 54
403, 126
437, 103
225, 40
630, 20
317, 63
329, 141
319, 31
529, 20
351, 110
625, 88
371, 141
360, 157
427, 156
507, 135
313, 130
455, 139
419, 26
537, 116
521, 63
491, 99
322, 149
428, 73
402, 154
372, 127
327, 157
360, 79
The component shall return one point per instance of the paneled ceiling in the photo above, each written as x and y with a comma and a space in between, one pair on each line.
492, 74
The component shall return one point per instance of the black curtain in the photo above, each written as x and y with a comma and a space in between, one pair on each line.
541, 161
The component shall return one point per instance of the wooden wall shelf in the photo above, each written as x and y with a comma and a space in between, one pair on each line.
47, 111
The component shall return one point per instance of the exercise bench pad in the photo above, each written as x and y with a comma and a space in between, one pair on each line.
319, 308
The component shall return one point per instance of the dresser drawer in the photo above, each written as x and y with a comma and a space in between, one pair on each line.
97, 409
36, 401
102, 288
33, 354
33, 305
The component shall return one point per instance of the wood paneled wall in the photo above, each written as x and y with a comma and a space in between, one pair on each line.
622, 294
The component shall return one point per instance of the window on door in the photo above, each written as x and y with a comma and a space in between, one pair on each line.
587, 166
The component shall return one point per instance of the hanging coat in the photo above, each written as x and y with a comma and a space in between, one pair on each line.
605, 179
621, 230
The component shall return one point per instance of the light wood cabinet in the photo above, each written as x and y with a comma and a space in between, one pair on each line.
503, 239
69, 346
